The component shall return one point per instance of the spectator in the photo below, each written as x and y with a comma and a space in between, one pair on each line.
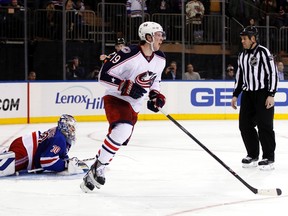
171, 72
74, 71
14, 20
280, 69
80, 5
135, 10
52, 24
93, 75
160, 6
190, 74
32, 75
282, 18
119, 44
15, 4
74, 20
194, 14
230, 73
268, 7
252, 22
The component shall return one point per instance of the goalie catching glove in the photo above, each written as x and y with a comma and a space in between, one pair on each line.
156, 99
128, 88
76, 166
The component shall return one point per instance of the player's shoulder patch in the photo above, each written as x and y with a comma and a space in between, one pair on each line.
126, 49
130, 50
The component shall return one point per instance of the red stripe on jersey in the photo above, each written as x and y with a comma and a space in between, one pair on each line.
48, 161
34, 137
110, 146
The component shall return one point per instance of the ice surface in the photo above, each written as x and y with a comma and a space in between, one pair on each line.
162, 172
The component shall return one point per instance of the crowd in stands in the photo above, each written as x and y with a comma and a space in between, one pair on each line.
245, 12
242, 11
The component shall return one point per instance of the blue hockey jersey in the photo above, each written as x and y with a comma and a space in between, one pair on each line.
47, 150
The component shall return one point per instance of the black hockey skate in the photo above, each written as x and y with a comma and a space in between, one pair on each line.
249, 162
94, 177
266, 164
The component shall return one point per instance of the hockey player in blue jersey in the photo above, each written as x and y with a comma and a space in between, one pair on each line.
46, 150
129, 76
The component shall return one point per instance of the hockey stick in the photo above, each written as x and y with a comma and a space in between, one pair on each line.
41, 169
88, 159
270, 192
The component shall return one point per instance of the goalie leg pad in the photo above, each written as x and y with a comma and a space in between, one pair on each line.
7, 163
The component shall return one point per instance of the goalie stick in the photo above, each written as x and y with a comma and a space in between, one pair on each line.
41, 169
270, 192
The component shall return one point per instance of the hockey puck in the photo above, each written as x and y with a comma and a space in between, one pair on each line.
279, 192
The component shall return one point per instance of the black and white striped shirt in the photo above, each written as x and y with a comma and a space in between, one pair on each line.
256, 70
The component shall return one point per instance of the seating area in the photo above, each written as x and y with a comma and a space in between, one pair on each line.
105, 26
215, 36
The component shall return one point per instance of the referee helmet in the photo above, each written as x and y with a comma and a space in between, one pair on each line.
250, 31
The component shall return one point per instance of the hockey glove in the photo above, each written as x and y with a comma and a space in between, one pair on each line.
128, 88
156, 99
76, 166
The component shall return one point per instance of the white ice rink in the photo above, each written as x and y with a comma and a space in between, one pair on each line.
162, 172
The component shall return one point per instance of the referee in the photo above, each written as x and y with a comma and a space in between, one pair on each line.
257, 79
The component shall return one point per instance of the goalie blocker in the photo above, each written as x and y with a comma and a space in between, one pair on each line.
7, 163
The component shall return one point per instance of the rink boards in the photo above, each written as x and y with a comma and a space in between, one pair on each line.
41, 102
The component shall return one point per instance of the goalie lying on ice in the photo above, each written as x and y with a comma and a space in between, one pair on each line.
42, 151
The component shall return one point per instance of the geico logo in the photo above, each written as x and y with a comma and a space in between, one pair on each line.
210, 97
9, 104
222, 97
70, 98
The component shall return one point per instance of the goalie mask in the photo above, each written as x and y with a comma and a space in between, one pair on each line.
67, 125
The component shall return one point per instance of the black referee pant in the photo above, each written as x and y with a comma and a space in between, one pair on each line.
253, 113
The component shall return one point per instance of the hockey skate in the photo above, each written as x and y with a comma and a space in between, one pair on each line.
94, 177
266, 165
249, 162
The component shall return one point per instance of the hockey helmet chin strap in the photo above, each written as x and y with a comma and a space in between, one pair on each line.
251, 46
256, 41
151, 43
